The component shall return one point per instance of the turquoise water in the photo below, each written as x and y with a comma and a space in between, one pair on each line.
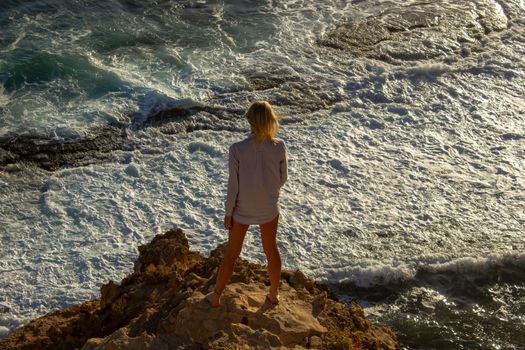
406, 186
74, 64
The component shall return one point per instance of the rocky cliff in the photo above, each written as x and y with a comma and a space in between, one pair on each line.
161, 306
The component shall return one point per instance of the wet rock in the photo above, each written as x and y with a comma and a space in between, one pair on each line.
132, 170
265, 81
65, 148
419, 31
51, 154
512, 136
182, 115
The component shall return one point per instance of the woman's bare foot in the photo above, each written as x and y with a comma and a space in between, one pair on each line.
213, 298
274, 298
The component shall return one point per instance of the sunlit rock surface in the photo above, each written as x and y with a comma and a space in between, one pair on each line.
161, 305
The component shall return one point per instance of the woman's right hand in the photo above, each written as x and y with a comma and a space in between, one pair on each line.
228, 222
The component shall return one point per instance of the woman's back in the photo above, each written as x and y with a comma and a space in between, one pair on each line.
259, 169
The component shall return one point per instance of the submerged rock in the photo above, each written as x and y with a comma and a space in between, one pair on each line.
161, 305
419, 31
51, 155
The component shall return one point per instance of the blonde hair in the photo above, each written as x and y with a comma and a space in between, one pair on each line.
263, 121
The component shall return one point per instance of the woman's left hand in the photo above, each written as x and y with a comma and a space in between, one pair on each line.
228, 222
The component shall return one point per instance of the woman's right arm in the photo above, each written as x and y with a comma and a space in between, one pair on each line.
233, 181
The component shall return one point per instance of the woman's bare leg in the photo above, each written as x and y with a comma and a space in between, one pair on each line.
235, 240
269, 241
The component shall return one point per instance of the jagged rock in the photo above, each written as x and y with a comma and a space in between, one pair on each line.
161, 305
108, 293
298, 280
169, 250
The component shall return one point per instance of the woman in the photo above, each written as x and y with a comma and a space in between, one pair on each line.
258, 168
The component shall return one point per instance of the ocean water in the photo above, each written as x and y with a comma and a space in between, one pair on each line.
405, 123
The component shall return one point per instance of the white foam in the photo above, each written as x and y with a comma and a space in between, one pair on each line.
363, 204
3, 331
13, 45
428, 70
380, 274
207, 148
368, 276
477, 265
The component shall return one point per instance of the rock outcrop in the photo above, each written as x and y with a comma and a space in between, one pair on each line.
161, 306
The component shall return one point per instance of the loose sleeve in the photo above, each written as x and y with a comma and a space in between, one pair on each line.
233, 181
284, 166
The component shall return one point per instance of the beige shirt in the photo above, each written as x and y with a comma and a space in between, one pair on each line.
257, 172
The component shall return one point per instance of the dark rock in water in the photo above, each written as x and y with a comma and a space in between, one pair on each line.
419, 31
265, 81
194, 117
171, 114
70, 149
181, 114
4, 309
291, 93
512, 136
161, 306
355, 36
133, 170
52, 155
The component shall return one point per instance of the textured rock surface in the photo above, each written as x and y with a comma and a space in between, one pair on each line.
421, 31
161, 306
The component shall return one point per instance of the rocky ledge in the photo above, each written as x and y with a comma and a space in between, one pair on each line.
161, 306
